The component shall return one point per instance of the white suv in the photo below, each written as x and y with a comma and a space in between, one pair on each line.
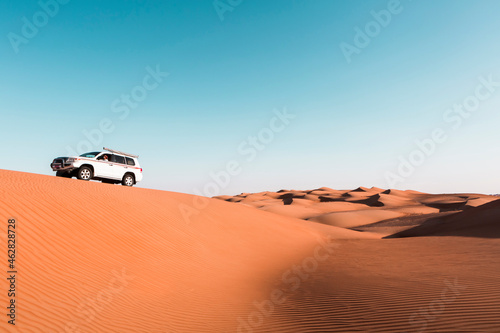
108, 166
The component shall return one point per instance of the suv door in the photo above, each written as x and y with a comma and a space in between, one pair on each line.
103, 168
119, 167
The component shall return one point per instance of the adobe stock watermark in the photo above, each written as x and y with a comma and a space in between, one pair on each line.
291, 280
453, 118
122, 107
223, 6
88, 309
373, 28
31, 27
430, 313
249, 150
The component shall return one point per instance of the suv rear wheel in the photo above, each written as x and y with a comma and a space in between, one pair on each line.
85, 173
128, 180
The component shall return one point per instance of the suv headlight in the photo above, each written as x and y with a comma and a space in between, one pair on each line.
70, 160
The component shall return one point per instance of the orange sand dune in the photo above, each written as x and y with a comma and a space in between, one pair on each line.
414, 209
478, 201
377, 189
371, 190
356, 218
425, 284
361, 189
327, 191
95, 257
316, 205
295, 211
357, 195
406, 193
482, 221
103, 258
330, 207
396, 201
447, 284
304, 202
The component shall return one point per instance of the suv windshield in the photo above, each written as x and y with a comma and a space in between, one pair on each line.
90, 155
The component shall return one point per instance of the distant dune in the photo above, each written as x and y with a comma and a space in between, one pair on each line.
96, 257
360, 207
482, 221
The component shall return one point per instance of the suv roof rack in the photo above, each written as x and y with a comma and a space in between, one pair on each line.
119, 152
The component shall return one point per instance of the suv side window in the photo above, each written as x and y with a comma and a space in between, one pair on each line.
118, 159
130, 161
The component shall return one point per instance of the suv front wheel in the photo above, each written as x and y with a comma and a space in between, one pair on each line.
85, 173
128, 180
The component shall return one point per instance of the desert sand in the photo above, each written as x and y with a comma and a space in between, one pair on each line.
96, 257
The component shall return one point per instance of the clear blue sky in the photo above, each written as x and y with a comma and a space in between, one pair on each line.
353, 119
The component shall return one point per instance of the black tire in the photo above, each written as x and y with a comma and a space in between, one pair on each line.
128, 180
64, 174
85, 173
